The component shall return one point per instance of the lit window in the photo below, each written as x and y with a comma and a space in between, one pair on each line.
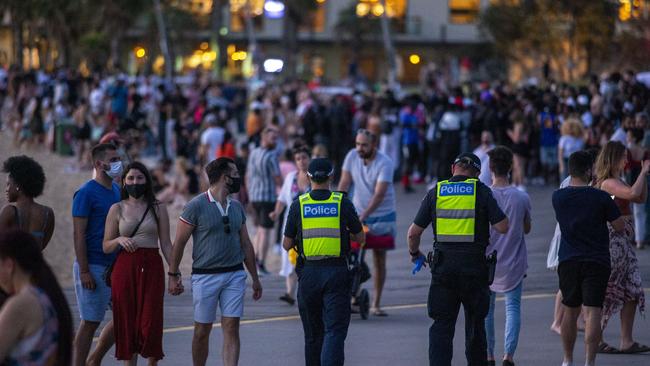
316, 19
238, 14
463, 11
196, 7
394, 8
505, 2
631, 9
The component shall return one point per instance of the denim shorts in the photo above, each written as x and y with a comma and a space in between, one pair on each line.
223, 289
92, 303
548, 155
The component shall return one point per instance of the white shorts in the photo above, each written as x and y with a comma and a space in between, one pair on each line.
223, 289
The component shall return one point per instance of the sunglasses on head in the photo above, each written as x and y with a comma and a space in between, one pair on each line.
367, 133
363, 131
226, 224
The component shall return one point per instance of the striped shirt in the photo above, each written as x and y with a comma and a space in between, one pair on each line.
262, 169
213, 247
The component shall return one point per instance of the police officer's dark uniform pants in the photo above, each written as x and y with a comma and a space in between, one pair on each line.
449, 289
324, 296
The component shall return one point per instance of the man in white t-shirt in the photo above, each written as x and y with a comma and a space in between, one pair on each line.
487, 144
211, 138
371, 174
96, 99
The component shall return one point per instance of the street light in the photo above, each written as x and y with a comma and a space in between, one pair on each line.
274, 9
140, 52
273, 65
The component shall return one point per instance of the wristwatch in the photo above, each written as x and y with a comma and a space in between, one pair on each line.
414, 254
174, 274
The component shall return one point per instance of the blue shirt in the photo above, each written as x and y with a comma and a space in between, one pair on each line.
93, 201
583, 213
550, 130
119, 102
410, 134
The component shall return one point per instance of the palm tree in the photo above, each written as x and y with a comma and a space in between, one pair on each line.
389, 49
116, 17
164, 43
355, 31
296, 14
216, 23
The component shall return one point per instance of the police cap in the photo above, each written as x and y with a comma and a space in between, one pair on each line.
469, 159
320, 169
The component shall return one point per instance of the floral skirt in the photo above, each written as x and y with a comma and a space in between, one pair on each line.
625, 279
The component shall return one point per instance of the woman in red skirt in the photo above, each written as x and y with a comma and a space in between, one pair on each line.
135, 226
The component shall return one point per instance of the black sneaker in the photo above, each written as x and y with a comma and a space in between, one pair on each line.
507, 363
491, 363
288, 299
262, 270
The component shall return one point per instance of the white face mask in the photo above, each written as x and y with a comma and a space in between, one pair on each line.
115, 169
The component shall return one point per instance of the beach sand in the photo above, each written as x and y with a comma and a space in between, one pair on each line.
62, 182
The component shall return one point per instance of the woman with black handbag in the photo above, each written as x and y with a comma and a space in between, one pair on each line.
138, 279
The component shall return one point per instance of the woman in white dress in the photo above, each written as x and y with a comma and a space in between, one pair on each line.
295, 184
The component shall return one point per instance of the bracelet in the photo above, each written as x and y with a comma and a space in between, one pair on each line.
174, 274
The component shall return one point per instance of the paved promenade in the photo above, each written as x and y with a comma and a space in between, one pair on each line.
271, 332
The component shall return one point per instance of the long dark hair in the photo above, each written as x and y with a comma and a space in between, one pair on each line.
26, 252
149, 196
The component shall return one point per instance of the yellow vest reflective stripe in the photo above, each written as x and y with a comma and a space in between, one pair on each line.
455, 211
321, 226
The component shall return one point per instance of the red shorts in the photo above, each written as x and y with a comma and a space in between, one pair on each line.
386, 242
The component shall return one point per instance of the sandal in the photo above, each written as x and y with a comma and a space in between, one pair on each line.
606, 348
635, 348
378, 312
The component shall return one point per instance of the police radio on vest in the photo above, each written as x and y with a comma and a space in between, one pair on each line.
321, 210
457, 189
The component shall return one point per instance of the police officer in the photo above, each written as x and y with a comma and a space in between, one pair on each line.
319, 225
460, 211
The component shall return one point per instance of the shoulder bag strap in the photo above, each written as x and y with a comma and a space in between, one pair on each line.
139, 223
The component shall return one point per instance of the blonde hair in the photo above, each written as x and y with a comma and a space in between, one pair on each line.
608, 161
572, 127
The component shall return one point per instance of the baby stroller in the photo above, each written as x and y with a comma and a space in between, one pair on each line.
360, 274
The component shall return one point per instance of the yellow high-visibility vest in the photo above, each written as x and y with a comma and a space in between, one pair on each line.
455, 211
321, 226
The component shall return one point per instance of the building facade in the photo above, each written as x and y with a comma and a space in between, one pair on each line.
422, 31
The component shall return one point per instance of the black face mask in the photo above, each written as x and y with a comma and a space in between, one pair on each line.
235, 184
135, 190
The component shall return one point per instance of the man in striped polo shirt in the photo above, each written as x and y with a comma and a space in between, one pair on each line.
221, 248
262, 178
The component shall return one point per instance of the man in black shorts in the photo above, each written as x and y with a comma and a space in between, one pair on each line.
583, 212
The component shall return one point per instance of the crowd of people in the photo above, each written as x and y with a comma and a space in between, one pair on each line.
197, 119
224, 153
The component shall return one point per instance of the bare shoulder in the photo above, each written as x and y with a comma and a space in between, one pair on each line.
160, 207
8, 210
612, 183
19, 306
115, 208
